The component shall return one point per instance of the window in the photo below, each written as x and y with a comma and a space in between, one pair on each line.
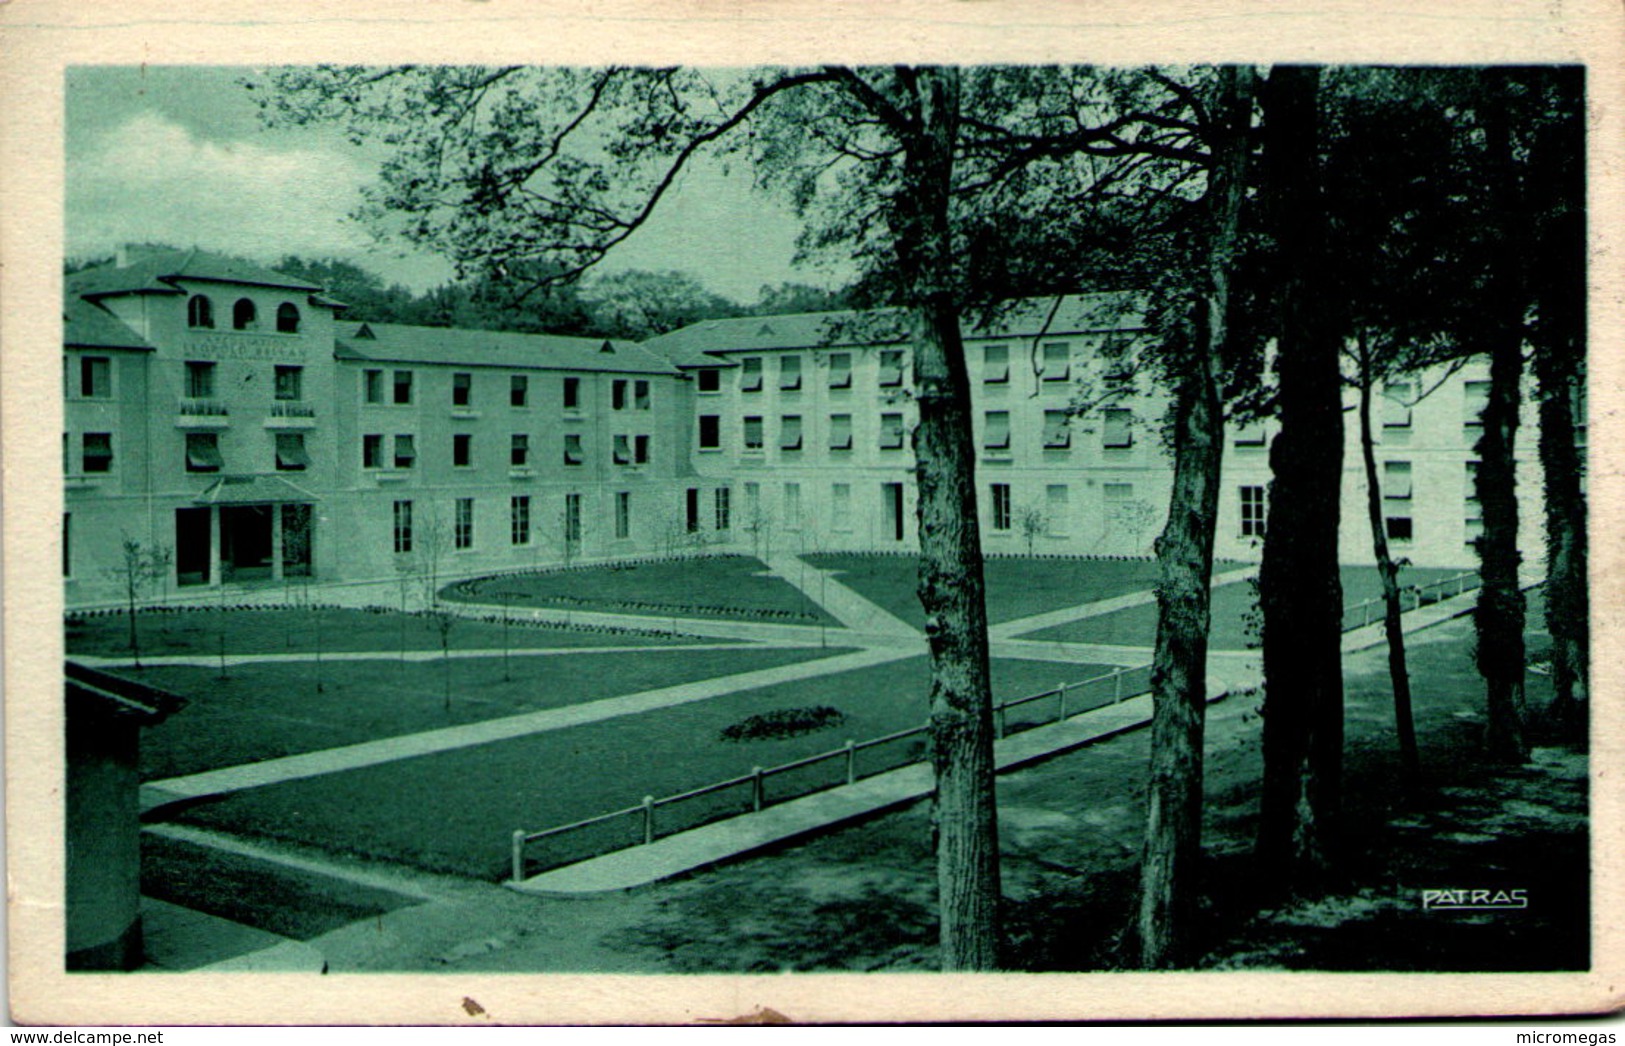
996, 430
692, 510
573, 454
1470, 497
891, 368
243, 315
1119, 427
1475, 397
98, 451
996, 365
710, 431
572, 519
1252, 512
202, 452
790, 432
840, 506
519, 519
710, 379
403, 387
287, 318
623, 449
519, 450
372, 452
891, 432
1117, 493
290, 383
462, 529
1001, 506
1057, 361
1473, 529
199, 380
1397, 398
1057, 433
753, 433
374, 386
1396, 480
640, 450
640, 395
723, 496
462, 389
1250, 434
95, 377
518, 390
1399, 529
290, 452
750, 374
789, 373
840, 370
462, 450
200, 312
623, 514
840, 432
405, 452
572, 393
403, 527
617, 394
792, 506
1055, 508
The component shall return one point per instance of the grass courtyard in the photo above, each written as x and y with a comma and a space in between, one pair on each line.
453, 811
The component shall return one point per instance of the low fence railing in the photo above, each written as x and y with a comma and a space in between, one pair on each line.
1366, 611
640, 823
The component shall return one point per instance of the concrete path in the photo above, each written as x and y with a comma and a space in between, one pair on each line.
724, 840
177, 939
1067, 615
305, 657
854, 611
391, 749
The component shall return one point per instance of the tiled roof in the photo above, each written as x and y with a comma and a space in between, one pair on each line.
690, 346
399, 343
88, 325
253, 490
157, 271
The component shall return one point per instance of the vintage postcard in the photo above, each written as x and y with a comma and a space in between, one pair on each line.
673, 513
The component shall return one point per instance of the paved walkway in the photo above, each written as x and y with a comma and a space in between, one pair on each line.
304, 657
1100, 607
391, 749
856, 612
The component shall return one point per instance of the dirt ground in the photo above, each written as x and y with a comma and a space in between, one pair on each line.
862, 898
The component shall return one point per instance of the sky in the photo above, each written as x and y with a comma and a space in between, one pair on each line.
178, 155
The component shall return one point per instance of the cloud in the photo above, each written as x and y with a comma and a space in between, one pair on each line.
150, 179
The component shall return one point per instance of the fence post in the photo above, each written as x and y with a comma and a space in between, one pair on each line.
1061, 690
756, 789
851, 761
518, 855
648, 819
998, 720
1117, 683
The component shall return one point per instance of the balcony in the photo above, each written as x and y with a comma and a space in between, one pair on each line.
202, 414
291, 416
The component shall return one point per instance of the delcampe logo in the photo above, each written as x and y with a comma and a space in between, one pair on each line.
1473, 900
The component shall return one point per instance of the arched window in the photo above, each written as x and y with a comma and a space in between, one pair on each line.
287, 318
199, 312
242, 315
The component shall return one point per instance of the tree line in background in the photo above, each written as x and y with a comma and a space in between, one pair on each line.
1289, 232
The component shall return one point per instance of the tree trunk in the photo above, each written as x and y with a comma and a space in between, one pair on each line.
1173, 835
1558, 173
1300, 589
1398, 676
950, 576
1500, 600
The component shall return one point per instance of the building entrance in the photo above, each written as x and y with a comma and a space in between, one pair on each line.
892, 499
245, 542
194, 546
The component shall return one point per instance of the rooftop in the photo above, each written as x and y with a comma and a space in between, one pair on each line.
400, 343
157, 272
87, 325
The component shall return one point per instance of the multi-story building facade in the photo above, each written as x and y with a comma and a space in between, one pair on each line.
224, 412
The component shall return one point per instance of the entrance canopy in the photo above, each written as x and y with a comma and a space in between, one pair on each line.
254, 490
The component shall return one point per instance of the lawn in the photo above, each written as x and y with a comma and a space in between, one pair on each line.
1233, 626
266, 710
454, 811
1016, 587
198, 630
726, 586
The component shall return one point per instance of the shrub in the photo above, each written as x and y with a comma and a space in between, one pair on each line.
784, 722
